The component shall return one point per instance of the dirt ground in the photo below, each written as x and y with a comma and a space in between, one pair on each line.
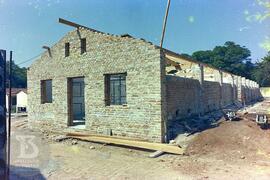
232, 150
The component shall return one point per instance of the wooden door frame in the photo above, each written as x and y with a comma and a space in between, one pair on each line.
69, 102
70, 98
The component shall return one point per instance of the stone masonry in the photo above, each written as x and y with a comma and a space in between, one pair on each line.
105, 54
153, 97
183, 94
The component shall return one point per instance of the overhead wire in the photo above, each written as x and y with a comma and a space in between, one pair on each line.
28, 60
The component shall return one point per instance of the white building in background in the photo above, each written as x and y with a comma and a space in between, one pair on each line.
18, 100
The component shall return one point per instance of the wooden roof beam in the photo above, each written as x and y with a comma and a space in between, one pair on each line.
48, 49
69, 23
180, 57
173, 63
77, 26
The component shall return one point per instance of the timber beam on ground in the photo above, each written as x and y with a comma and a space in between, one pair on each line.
168, 148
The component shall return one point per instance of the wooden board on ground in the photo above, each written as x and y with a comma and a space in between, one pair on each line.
100, 135
131, 143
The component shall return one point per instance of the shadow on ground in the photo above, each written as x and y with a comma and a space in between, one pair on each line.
25, 173
194, 124
191, 125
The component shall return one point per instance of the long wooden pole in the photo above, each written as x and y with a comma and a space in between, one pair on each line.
165, 23
3, 132
9, 113
164, 126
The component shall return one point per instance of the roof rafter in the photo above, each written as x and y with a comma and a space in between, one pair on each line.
73, 24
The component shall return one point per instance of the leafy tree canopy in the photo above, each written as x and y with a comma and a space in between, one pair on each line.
262, 71
230, 57
19, 76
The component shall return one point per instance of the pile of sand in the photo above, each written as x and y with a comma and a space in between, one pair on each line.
237, 139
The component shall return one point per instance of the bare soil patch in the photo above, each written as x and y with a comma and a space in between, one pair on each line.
232, 140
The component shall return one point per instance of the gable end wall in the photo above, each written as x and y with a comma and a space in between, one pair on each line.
141, 118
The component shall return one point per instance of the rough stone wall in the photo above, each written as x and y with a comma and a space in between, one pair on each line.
153, 98
227, 96
248, 95
211, 96
144, 113
182, 96
255, 94
239, 92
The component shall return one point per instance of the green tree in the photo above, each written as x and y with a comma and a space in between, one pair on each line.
230, 57
186, 55
203, 56
262, 71
19, 76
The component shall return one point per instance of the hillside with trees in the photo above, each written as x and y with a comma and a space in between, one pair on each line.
19, 76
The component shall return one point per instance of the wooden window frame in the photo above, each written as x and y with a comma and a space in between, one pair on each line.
83, 45
67, 49
44, 98
107, 90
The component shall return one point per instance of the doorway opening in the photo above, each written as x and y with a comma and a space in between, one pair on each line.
76, 102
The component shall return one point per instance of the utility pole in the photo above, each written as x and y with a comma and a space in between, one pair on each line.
165, 23
164, 127
9, 113
3, 123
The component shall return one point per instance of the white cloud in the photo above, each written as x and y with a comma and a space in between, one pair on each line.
243, 28
41, 5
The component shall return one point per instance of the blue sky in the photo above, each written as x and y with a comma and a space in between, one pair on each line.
27, 25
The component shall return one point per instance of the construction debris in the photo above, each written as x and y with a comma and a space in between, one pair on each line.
156, 154
262, 121
74, 142
60, 138
230, 114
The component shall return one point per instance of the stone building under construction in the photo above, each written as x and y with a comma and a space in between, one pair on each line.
123, 86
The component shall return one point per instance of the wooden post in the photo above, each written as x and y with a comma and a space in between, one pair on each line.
9, 113
48, 49
3, 132
165, 23
164, 126
69, 97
